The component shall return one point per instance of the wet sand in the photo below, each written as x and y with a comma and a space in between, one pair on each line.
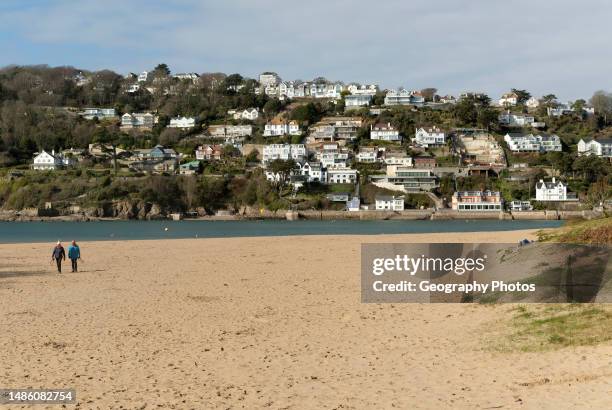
265, 323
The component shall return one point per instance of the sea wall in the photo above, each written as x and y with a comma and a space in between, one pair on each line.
146, 211
408, 214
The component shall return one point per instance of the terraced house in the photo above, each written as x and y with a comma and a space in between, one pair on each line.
278, 127
519, 142
136, 120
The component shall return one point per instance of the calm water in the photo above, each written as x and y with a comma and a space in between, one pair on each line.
126, 230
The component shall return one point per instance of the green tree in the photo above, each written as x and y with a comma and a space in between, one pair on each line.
522, 95
272, 107
161, 70
282, 170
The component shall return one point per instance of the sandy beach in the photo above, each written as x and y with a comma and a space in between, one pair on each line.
271, 322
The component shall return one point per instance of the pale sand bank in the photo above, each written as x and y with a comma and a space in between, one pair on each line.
265, 322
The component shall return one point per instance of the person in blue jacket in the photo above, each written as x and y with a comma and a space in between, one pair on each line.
74, 254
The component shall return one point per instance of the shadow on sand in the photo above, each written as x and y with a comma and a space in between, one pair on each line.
7, 275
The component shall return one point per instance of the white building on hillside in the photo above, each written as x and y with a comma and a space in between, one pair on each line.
429, 136
44, 161
268, 78
369, 154
403, 97
285, 152
278, 127
341, 176
516, 120
533, 102
400, 158
601, 147
357, 100
232, 131
508, 99
250, 114
100, 113
182, 122
314, 172
518, 142
138, 120
331, 155
362, 89
389, 203
384, 132
193, 77
142, 77
553, 191
519, 206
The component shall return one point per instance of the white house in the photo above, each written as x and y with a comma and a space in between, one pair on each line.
331, 155
362, 89
100, 113
296, 152
508, 99
142, 77
519, 206
314, 172
138, 120
516, 120
193, 77
404, 97
45, 161
249, 114
384, 132
357, 100
233, 131
278, 127
518, 142
389, 203
601, 147
326, 90
182, 122
400, 158
268, 78
429, 136
533, 102
553, 191
341, 176
369, 154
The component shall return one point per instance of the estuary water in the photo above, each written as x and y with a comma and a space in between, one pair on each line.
11, 232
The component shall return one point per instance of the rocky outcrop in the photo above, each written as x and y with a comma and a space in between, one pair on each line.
126, 210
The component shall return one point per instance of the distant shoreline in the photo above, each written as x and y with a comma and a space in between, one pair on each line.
412, 214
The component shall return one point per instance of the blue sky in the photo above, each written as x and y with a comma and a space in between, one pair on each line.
547, 46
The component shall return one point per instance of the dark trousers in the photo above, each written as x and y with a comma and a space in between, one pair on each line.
74, 264
59, 264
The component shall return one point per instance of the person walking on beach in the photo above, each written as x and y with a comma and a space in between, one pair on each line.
74, 254
58, 254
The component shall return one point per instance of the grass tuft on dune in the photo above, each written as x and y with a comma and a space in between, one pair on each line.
535, 328
596, 231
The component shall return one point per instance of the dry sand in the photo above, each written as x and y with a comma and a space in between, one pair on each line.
265, 322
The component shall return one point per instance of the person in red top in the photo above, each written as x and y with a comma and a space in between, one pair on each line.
58, 255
